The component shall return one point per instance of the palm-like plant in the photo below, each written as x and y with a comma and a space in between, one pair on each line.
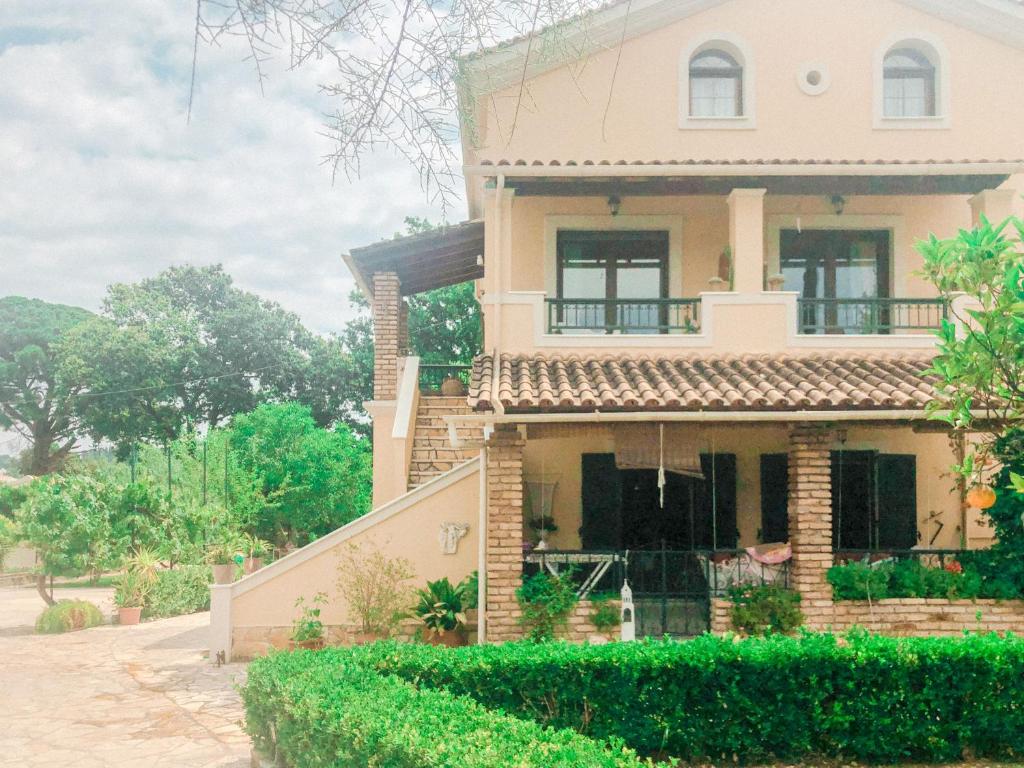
440, 606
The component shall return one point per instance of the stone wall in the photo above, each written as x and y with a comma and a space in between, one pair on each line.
913, 617
504, 533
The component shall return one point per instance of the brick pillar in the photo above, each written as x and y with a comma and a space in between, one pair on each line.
387, 303
810, 519
404, 346
504, 532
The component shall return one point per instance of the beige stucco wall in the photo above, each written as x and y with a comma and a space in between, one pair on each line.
411, 533
563, 114
561, 457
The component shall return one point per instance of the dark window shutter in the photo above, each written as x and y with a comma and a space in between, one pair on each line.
602, 502
896, 478
774, 497
721, 469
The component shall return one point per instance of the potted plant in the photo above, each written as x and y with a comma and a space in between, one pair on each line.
544, 527
452, 386
376, 590
440, 609
307, 629
130, 597
222, 557
256, 553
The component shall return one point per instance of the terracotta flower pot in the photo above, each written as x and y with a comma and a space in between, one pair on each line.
450, 639
128, 616
472, 617
223, 573
252, 564
453, 387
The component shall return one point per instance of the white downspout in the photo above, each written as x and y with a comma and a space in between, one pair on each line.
481, 586
499, 215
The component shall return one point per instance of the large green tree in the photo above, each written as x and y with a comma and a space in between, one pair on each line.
189, 348
980, 358
34, 401
293, 481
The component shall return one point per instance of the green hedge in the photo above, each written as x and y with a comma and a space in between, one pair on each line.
67, 616
330, 708
965, 579
185, 589
864, 697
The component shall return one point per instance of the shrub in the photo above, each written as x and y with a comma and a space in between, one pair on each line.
765, 609
605, 614
546, 602
860, 581
969, 578
376, 589
864, 698
307, 626
440, 606
329, 708
185, 589
67, 616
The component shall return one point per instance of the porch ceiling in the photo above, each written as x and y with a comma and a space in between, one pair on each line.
434, 259
720, 383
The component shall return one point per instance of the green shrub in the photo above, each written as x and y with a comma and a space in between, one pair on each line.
605, 613
67, 616
765, 609
328, 708
860, 581
546, 601
185, 589
863, 698
967, 578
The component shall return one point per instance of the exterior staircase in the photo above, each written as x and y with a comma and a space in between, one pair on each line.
432, 452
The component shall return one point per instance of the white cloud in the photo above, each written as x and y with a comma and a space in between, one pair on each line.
102, 180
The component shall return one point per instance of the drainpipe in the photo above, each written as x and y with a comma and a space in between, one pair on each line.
481, 586
499, 215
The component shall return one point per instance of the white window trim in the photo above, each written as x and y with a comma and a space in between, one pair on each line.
741, 51
935, 49
670, 223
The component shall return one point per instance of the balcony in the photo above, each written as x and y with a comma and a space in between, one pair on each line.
870, 316
623, 316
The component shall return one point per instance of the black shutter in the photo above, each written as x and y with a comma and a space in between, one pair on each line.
602, 502
896, 479
774, 497
853, 494
719, 469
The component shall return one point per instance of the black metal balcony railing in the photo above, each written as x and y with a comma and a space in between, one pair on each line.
639, 316
432, 376
870, 316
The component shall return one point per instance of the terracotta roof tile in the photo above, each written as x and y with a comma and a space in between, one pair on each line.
714, 383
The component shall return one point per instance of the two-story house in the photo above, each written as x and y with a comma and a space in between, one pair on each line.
692, 231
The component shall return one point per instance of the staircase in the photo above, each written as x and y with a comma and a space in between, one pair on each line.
432, 452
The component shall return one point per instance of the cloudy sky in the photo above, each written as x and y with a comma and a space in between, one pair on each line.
102, 180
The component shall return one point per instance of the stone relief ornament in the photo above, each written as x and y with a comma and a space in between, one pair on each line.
449, 536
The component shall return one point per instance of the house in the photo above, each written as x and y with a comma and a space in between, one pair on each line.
692, 228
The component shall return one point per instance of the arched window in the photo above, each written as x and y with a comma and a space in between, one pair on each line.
909, 84
716, 85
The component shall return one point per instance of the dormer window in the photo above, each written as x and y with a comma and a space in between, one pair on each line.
716, 85
910, 84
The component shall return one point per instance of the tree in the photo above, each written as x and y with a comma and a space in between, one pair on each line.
34, 400
188, 348
295, 481
980, 360
399, 66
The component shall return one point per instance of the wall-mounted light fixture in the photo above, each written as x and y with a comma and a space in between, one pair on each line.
613, 204
839, 204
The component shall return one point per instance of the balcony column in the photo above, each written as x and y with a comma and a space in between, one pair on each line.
810, 519
746, 239
504, 533
387, 334
995, 205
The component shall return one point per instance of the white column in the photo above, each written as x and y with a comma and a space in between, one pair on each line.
220, 622
746, 239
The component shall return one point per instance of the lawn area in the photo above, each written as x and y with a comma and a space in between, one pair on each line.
860, 697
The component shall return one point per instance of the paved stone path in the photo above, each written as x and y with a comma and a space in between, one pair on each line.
142, 696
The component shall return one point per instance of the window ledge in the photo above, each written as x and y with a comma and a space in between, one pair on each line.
686, 122
937, 123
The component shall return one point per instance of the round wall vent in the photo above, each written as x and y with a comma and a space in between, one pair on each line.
813, 79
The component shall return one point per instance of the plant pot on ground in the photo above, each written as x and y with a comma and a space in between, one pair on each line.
307, 629
130, 597
441, 610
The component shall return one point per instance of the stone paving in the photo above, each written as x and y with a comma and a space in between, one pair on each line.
114, 696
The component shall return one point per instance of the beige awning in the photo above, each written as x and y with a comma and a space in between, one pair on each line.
676, 447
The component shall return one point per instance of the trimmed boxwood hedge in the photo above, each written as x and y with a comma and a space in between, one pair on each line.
860, 697
328, 708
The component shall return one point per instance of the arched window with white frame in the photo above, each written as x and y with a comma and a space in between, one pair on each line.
716, 84
910, 84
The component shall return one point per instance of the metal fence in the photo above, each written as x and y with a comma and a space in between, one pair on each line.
870, 316
640, 316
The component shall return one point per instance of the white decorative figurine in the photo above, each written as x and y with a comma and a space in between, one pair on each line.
449, 535
628, 625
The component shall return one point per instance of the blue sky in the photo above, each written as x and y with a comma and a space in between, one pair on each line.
102, 180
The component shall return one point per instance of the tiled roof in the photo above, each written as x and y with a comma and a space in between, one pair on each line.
520, 162
714, 383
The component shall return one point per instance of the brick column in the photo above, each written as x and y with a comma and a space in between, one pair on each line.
810, 519
404, 347
504, 532
387, 303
